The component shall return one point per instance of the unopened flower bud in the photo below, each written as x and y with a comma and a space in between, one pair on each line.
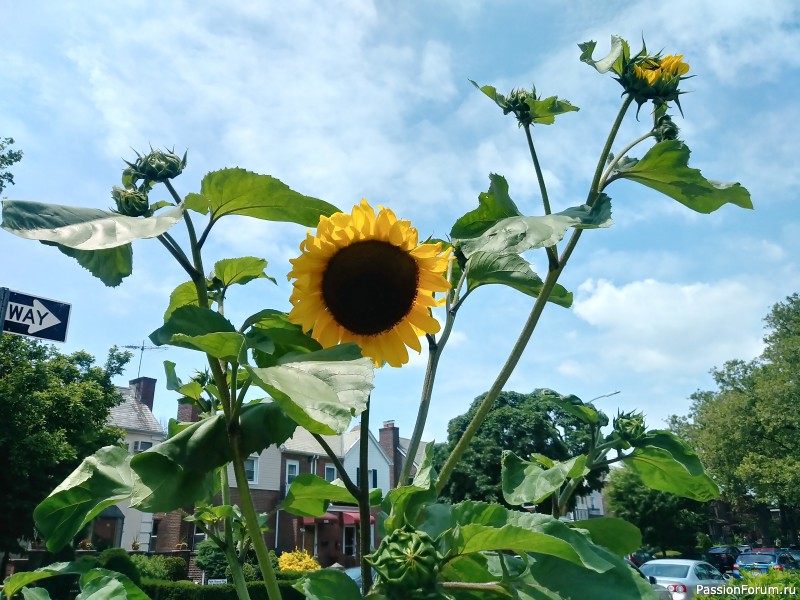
130, 201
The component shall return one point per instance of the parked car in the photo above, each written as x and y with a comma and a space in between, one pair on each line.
681, 576
662, 592
760, 562
639, 557
723, 557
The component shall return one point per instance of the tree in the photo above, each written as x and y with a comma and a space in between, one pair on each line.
746, 431
666, 521
53, 413
521, 423
7, 158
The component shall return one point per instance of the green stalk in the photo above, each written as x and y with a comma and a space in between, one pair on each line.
607, 177
365, 539
230, 551
250, 516
539, 176
348, 483
533, 319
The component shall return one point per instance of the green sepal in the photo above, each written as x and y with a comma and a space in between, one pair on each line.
665, 168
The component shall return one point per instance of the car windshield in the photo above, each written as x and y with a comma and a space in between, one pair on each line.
748, 559
658, 570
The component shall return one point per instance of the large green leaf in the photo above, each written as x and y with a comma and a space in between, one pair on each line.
110, 265
322, 396
183, 295
17, 581
678, 449
103, 584
202, 329
574, 406
617, 535
240, 192
526, 482
493, 206
327, 584
82, 228
518, 234
403, 504
101, 480
310, 495
35, 594
179, 471
665, 168
485, 268
659, 470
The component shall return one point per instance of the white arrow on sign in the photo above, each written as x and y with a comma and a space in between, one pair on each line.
37, 317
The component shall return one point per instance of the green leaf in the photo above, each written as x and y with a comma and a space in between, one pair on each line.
518, 234
201, 329
82, 228
677, 448
180, 470
310, 495
327, 584
239, 270
619, 536
102, 584
110, 265
35, 594
240, 192
322, 397
183, 295
484, 268
101, 480
348, 351
665, 168
572, 405
525, 482
17, 581
611, 61
493, 206
545, 111
660, 471
402, 505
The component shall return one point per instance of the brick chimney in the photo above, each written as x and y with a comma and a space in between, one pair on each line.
389, 439
144, 390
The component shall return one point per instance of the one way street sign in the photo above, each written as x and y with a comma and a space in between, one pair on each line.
34, 316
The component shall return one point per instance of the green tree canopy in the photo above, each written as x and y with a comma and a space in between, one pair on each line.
7, 158
747, 430
53, 412
521, 423
666, 521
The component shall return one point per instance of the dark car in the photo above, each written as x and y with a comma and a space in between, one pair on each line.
723, 557
763, 562
639, 557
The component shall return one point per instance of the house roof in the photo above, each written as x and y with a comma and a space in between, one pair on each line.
303, 442
132, 415
404, 443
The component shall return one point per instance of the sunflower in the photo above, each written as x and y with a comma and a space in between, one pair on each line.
364, 278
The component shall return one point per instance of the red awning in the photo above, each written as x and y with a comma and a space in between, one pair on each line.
326, 518
353, 518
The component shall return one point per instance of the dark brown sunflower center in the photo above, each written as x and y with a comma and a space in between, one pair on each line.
370, 286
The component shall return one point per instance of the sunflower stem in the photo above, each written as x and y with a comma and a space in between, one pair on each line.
539, 175
527, 331
348, 483
607, 176
365, 541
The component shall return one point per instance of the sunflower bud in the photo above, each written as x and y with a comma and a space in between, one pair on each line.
629, 426
407, 563
156, 166
654, 78
131, 202
665, 129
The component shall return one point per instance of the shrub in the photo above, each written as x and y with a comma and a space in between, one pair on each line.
118, 559
211, 559
151, 567
297, 560
186, 590
177, 569
775, 585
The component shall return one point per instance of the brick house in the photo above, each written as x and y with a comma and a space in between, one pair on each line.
332, 537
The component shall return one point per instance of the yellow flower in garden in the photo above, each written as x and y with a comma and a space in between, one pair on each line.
364, 278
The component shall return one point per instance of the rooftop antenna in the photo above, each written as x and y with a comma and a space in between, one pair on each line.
141, 350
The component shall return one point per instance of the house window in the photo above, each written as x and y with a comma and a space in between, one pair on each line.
251, 469
349, 541
373, 477
330, 473
140, 446
292, 471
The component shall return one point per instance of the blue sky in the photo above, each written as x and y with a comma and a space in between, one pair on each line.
344, 100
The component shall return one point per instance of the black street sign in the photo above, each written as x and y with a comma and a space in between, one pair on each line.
23, 314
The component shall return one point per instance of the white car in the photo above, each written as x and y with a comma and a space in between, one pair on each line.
682, 577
